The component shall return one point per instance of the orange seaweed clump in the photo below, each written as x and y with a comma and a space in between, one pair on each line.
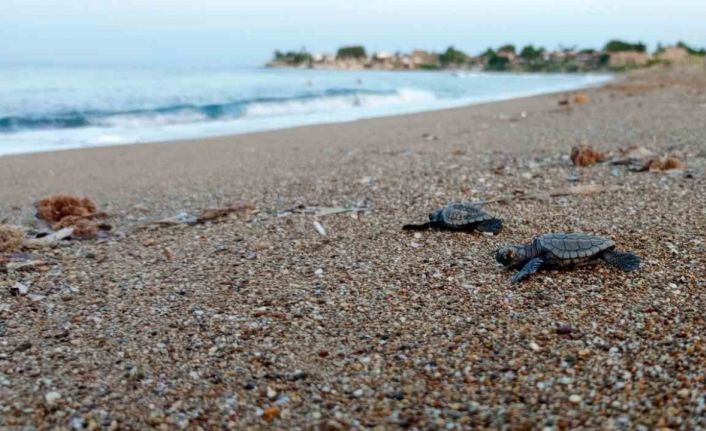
71, 211
85, 229
583, 155
11, 237
665, 164
581, 98
56, 208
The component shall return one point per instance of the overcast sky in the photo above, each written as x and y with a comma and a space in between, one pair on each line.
232, 32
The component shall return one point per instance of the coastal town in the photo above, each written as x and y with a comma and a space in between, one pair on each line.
616, 55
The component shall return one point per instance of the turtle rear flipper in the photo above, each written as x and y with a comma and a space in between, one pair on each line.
493, 225
622, 260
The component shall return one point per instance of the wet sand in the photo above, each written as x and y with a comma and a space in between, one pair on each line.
259, 320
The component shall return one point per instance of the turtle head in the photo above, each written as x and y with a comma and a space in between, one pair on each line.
510, 256
435, 216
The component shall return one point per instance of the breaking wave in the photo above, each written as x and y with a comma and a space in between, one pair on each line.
310, 103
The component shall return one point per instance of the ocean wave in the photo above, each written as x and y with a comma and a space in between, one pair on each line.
305, 103
338, 102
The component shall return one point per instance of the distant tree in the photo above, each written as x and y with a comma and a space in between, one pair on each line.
355, 51
530, 53
495, 62
292, 57
509, 48
452, 56
619, 45
690, 50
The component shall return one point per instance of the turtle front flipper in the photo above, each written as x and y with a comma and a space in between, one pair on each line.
625, 261
420, 226
493, 226
530, 268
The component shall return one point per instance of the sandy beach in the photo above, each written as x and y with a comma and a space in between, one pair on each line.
258, 320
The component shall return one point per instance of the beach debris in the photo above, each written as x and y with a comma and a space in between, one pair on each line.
210, 214
563, 250
584, 155
206, 215
465, 216
322, 211
23, 265
178, 219
64, 211
11, 237
50, 240
662, 164
319, 228
581, 98
57, 207
633, 155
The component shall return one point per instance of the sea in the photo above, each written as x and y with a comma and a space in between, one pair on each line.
49, 108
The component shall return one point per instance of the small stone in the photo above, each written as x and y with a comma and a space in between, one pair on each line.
319, 272
575, 399
534, 346
584, 353
271, 393
564, 329
270, 413
51, 399
358, 393
78, 423
34, 298
19, 289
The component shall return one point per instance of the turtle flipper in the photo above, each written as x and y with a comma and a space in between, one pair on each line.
530, 268
625, 261
420, 226
493, 225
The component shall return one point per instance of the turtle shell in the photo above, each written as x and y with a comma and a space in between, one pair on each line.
574, 245
460, 214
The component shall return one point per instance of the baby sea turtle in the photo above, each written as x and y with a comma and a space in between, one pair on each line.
460, 216
563, 249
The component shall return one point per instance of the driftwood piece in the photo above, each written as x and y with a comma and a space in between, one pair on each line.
50, 240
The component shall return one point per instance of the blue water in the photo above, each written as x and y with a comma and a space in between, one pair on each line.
47, 108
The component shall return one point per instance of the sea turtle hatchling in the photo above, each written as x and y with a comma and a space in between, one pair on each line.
460, 216
563, 249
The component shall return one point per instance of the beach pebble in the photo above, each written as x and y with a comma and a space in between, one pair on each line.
51, 399
19, 289
575, 399
534, 346
319, 228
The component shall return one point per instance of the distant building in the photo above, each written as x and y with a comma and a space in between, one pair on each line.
674, 54
419, 57
629, 59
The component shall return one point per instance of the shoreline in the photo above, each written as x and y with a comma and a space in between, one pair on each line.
601, 79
